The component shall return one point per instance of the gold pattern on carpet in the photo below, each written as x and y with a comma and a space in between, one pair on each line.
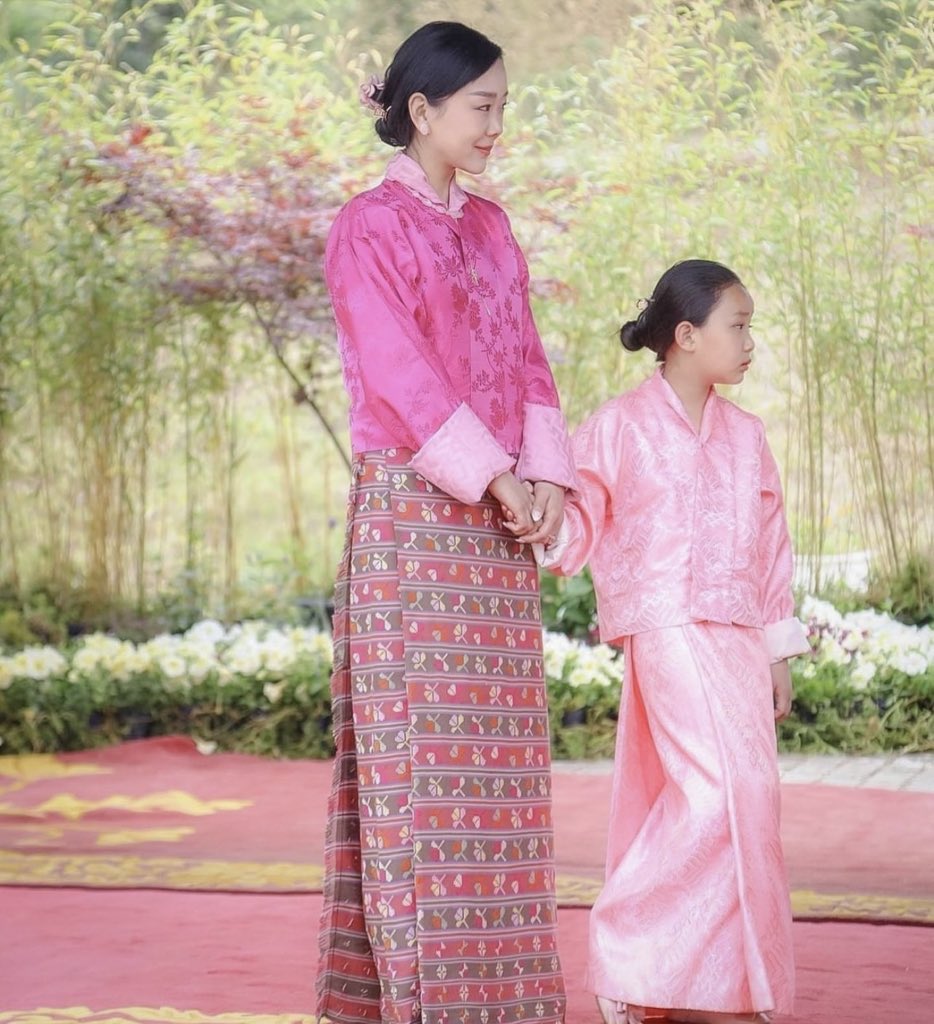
116, 872
174, 801
25, 769
105, 872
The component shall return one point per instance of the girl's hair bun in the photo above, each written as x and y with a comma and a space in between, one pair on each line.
632, 335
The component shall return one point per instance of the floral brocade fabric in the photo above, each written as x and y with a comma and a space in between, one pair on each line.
439, 891
433, 320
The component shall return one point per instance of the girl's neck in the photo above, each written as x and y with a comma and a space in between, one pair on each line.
439, 175
692, 392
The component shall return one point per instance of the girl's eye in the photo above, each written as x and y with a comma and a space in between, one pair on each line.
485, 107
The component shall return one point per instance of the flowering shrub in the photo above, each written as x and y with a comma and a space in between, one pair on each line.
868, 643
583, 695
868, 684
251, 686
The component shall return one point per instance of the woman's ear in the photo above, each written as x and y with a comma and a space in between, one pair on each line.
684, 336
418, 111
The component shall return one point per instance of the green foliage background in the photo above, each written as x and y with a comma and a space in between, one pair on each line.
151, 445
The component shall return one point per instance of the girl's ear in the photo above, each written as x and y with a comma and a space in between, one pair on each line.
418, 111
684, 336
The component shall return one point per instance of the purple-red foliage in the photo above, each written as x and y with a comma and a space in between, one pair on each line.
252, 235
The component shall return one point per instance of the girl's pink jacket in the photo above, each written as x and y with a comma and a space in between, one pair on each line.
439, 349
679, 526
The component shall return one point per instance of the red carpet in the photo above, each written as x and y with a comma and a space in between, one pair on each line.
148, 884
254, 954
157, 814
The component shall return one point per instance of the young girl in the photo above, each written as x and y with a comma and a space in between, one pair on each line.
681, 519
439, 889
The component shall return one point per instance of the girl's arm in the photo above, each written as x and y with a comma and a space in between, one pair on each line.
784, 634
387, 359
597, 456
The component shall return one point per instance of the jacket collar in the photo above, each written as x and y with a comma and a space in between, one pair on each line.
657, 384
409, 172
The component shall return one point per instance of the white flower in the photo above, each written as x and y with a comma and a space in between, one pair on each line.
862, 675
37, 663
200, 667
277, 652
852, 640
831, 651
208, 631
273, 691
6, 673
172, 666
579, 676
244, 656
821, 613
912, 663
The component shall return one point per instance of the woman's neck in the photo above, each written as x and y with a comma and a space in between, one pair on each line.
692, 392
439, 174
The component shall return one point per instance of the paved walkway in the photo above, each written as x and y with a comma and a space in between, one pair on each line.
911, 772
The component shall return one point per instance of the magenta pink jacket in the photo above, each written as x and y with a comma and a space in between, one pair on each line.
439, 350
679, 526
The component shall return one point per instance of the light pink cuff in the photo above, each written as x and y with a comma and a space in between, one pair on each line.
546, 448
548, 557
461, 457
786, 638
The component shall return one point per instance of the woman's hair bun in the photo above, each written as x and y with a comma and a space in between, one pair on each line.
385, 132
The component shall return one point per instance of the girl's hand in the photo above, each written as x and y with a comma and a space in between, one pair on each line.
781, 689
547, 513
515, 499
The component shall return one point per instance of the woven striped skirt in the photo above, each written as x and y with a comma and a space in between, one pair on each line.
439, 901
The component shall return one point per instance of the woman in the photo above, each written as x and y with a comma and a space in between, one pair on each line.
439, 891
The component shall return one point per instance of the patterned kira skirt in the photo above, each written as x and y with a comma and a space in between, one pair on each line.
439, 900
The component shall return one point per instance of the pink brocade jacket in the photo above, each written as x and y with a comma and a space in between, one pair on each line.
439, 351
679, 526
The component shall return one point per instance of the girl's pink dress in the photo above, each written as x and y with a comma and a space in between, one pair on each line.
686, 537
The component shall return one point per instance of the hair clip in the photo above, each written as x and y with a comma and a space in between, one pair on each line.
369, 90
643, 304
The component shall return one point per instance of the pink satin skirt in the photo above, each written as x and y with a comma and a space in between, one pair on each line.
695, 911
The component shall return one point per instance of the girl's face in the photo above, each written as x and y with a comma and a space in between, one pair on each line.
723, 346
462, 129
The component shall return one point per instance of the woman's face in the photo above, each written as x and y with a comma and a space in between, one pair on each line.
462, 129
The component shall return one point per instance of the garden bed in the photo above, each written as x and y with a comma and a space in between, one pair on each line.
867, 686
